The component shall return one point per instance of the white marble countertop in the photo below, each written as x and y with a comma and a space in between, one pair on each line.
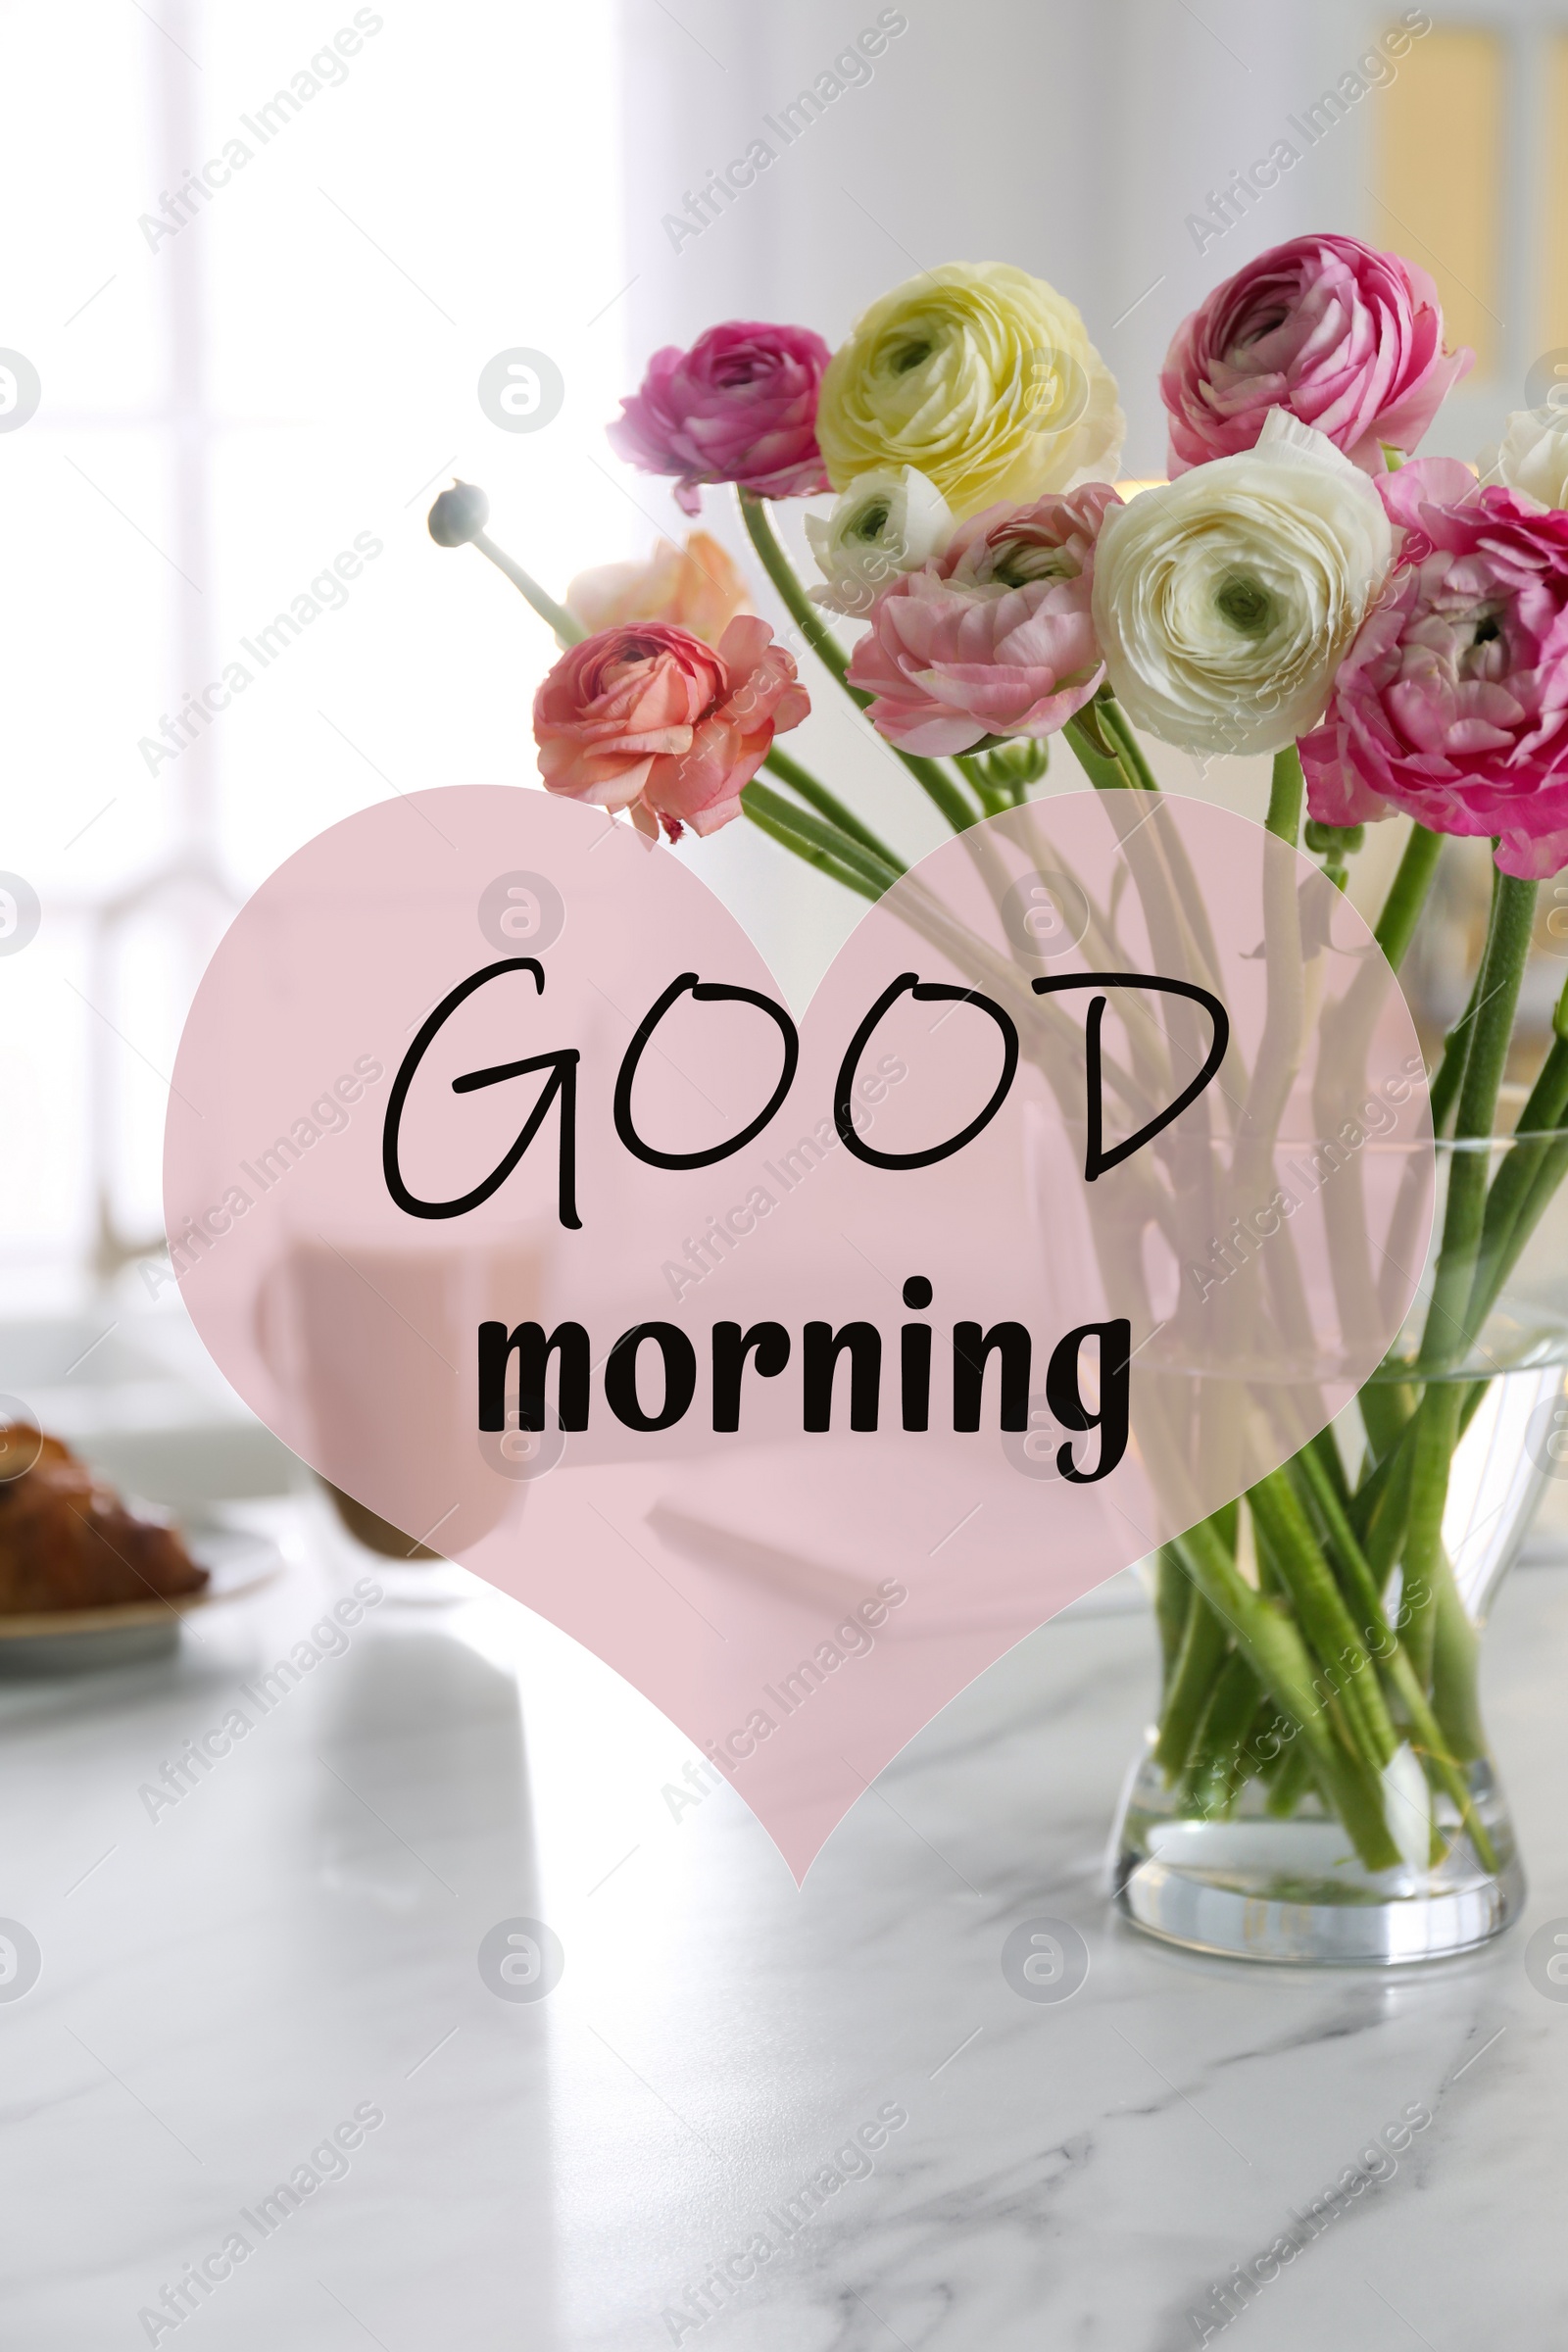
228, 1979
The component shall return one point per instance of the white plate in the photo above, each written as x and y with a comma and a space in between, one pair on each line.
75, 1640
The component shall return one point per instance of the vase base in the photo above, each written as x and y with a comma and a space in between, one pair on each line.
1165, 1901
1292, 1892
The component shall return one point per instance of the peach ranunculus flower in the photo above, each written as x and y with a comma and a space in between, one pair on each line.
697, 587
648, 718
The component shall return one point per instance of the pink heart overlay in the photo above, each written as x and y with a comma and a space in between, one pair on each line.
800, 1600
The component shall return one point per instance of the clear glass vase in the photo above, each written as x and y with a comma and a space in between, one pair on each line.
1268, 1872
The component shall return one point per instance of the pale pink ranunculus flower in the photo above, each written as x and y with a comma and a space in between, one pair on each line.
1451, 704
739, 407
648, 718
995, 636
697, 587
1347, 339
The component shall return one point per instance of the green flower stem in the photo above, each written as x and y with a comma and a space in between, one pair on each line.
1336, 844
1456, 1678
1447, 1334
1173, 1600
808, 618
1385, 1406
1290, 1781
940, 788
1323, 1616
1278, 1657
568, 627
1197, 1662
1547, 1097
827, 804
1360, 1584
1284, 818
1255, 1761
1392, 1449
1215, 1775
1329, 1464
784, 833
1504, 1232
1348, 1030
1528, 1180
1454, 1685
762, 800
992, 798
1112, 761
1437, 1750
1528, 1177
1407, 894
1102, 768
1448, 1076
1383, 1505
1437, 1433
1128, 747
1549, 1175
1546, 1101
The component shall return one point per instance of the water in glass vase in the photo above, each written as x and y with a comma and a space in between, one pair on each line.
1236, 1852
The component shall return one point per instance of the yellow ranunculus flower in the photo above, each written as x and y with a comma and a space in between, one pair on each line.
981, 377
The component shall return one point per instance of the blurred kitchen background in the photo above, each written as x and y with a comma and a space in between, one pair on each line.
291, 372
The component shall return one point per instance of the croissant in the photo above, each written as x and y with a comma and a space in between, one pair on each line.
66, 1541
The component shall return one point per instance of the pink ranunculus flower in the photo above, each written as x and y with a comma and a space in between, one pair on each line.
648, 718
1451, 704
1347, 339
995, 636
739, 407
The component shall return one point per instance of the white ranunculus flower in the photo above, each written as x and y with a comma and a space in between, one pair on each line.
1224, 599
1533, 454
885, 523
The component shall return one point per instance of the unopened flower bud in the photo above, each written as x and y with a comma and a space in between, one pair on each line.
1021, 761
1332, 841
459, 514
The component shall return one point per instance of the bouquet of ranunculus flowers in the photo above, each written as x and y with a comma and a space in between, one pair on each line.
1392, 630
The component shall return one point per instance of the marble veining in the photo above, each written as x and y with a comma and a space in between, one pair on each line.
227, 1978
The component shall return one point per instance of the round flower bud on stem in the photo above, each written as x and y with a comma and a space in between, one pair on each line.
458, 519
1018, 764
1332, 841
459, 514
